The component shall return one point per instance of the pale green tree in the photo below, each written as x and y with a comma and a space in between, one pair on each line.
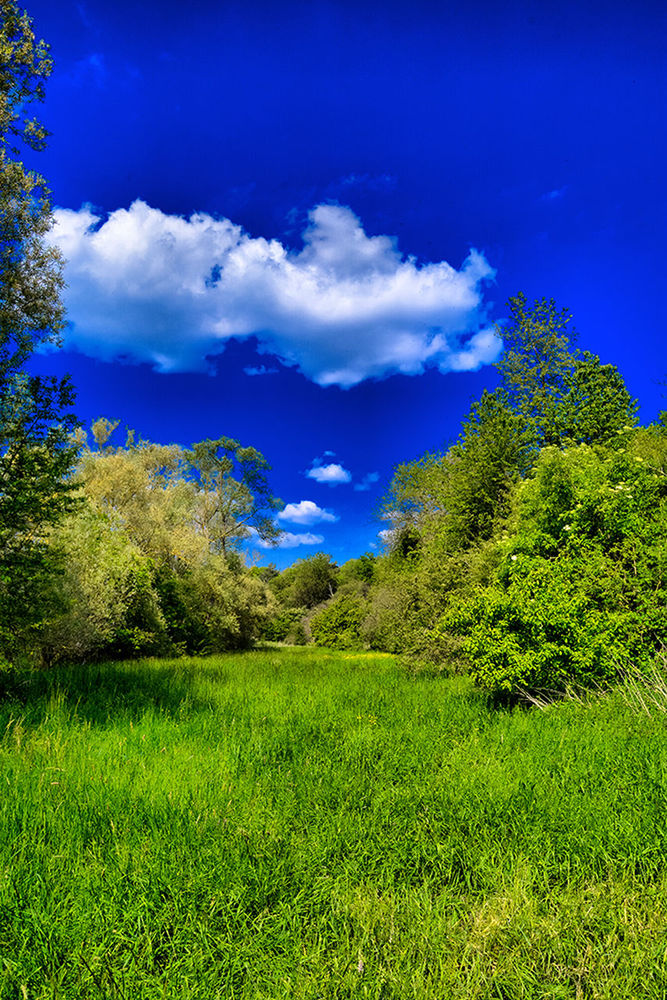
235, 499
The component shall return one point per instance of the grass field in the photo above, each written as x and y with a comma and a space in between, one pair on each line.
304, 824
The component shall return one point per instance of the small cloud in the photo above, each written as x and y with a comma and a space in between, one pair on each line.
288, 540
555, 194
366, 483
371, 182
260, 370
306, 512
387, 535
483, 348
285, 540
332, 474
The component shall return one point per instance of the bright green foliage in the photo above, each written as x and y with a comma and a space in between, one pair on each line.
443, 509
285, 625
461, 495
34, 422
561, 394
535, 363
307, 582
106, 592
581, 589
493, 450
338, 625
361, 570
479, 564
597, 406
161, 579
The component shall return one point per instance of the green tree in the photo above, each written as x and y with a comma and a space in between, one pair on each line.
235, 498
34, 423
535, 364
597, 405
307, 582
563, 395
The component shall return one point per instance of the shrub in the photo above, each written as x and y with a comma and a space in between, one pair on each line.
284, 625
581, 584
338, 625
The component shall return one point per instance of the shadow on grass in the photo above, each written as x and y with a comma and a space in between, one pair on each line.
101, 692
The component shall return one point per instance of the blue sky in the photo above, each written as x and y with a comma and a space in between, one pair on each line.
298, 223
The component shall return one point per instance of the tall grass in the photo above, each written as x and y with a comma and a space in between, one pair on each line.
317, 825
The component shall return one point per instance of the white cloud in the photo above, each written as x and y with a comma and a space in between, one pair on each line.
387, 535
346, 307
288, 540
332, 474
365, 484
306, 512
260, 370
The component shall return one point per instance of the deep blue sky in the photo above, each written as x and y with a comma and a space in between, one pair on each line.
533, 133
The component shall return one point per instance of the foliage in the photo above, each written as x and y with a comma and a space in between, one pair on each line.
535, 363
560, 394
582, 583
285, 625
235, 498
480, 572
360, 570
34, 418
338, 625
106, 593
597, 406
161, 579
307, 582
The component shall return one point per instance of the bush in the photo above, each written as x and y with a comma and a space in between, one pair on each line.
338, 625
581, 585
285, 626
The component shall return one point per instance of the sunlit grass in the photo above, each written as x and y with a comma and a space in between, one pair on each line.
310, 824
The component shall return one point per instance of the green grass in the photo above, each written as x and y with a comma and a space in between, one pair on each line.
303, 824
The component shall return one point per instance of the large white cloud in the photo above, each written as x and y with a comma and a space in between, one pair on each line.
346, 307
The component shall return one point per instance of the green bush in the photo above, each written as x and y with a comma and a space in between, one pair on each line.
581, 586
338, 625
285, 625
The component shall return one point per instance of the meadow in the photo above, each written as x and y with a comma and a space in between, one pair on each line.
309, 824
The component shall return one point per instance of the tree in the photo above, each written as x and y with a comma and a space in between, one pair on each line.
459, 496
535, 364
563, 395
35, 456
140, 572
307, 582
235, 498
597, 406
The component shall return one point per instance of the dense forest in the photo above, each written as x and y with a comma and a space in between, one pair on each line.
530, 554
